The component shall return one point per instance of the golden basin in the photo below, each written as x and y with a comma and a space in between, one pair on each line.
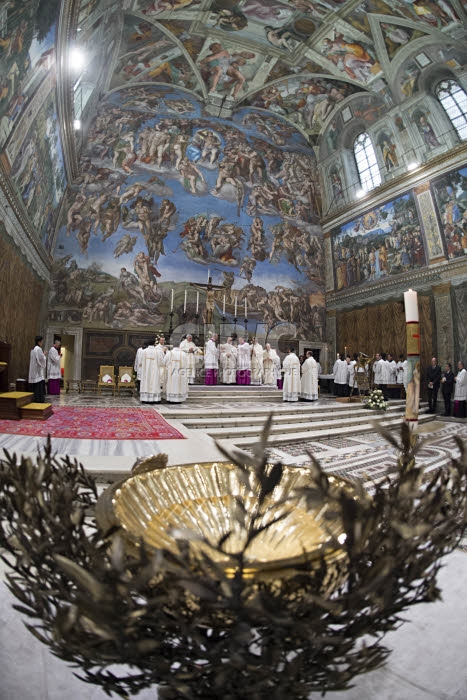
200, 503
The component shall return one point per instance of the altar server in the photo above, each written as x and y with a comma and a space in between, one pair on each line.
138, 363
351, 375
378, 371
37, 362
243, 362
271, 366
309, 380
211, 361
291, 367
256, 362
188, 347
393, 392
54, 373
228, 362
341, 371
161, 349
401, 371
176, 384
150, 388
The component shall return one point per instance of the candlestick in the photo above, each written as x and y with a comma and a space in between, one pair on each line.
246, 312
208, 274
411, 306
223, 306
172, 301
413, 358
235, 306
184, 304
345, 351
197, 301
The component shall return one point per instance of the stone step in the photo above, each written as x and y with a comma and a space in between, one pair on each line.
310, 435
246, 429
257, 417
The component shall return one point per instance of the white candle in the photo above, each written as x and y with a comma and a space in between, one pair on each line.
208, 274
245, 309
172, 301
411, 306
197, 301
223, 307
235, 307
184, 304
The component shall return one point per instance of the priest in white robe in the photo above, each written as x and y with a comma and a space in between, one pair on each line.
211, 361
401, 372
460, 391
386, 371
228, 361
309, 380
270, 366
351, 376
138, 363
176, 383
256, 362
341, 371
291, 367
150, 388
37, 363
188, 347
54, 372
243, 363
378, 371
162, 349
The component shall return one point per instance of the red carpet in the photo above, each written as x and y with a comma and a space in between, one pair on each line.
96, 424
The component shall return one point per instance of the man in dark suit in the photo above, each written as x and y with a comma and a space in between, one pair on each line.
433, 377
447, 382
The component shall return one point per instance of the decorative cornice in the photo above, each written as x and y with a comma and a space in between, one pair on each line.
390, 189
66, 33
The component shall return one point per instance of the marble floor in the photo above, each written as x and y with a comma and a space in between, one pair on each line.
427, 662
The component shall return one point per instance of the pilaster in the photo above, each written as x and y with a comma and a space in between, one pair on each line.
444, 322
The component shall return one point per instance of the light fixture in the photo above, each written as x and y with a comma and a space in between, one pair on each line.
76, 124
413, 165
76, 59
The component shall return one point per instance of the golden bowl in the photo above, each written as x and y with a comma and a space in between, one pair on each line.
200, 503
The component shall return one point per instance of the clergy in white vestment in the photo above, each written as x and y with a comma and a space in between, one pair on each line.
162, 349
341, 371
228, 362
309, 380
460, 391
54, 372
138, 363
351, 375
243, 362
378, 371
291, 367
150, 388
401, 371
256, 362
385, 376
270, 366
189, 348
211, 361
176, 383
393, 392
37, 362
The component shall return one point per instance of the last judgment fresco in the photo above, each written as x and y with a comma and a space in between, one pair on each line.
168, 201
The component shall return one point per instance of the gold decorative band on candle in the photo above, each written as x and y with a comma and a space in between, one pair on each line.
413, 338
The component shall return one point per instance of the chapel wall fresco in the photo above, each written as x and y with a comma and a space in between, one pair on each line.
27, 56
171, 196
425, 225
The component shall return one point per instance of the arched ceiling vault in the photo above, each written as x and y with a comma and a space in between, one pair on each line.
300, 59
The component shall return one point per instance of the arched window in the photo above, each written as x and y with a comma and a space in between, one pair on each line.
365, 159
454, 102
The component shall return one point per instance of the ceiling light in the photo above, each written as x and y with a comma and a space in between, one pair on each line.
413, 165
76, 59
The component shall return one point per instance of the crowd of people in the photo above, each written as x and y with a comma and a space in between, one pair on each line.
384, 373
167, 373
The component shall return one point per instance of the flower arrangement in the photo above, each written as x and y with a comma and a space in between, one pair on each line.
376, 401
